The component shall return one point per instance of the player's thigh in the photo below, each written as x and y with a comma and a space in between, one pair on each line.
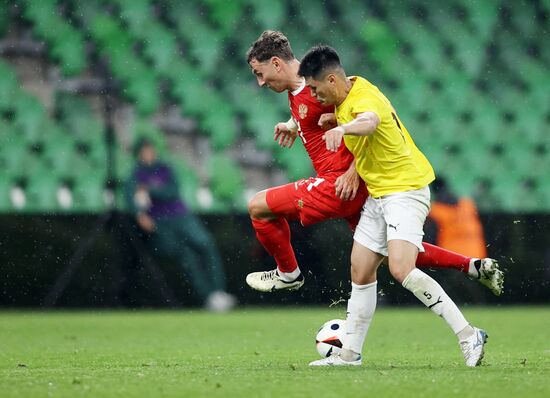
364, 264
318, 201
401, 258
405, 214
371, 229
283, 201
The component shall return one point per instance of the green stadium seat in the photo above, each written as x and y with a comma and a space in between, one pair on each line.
143, 91
88, 193
382, 44
146, 129
356, 14
29, 117
43, 14
14, 153
137, 13
160, 47
187, 179
483, 16
9, 87
510, 191
295, 161
41, 193
206, 47
61, 156
69, 49
218, 120
226, 181
5, 188
453, 79
224, 14
188, 89
141, 84
125, 163
4, 17
267, 13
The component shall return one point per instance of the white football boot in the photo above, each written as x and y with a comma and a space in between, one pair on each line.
269, 281
487, 272
473, 347
336, 360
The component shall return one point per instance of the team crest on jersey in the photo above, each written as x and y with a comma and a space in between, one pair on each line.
302, 110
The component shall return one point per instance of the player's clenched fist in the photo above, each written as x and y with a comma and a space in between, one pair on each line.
284, 135
333, 138
327, 121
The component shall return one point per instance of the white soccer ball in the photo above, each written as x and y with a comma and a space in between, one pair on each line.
330, 337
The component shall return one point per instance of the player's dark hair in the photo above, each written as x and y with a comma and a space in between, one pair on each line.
270, 44
318, 60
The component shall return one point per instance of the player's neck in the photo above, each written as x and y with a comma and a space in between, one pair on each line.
294, 81
343, 91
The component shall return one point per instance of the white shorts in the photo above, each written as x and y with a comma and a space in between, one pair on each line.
398, 216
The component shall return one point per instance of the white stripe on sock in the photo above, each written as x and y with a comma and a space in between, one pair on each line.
289, 276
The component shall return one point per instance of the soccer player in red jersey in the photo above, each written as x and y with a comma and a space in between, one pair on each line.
336, 192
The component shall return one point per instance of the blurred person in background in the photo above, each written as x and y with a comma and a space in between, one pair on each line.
153, 196
455, 222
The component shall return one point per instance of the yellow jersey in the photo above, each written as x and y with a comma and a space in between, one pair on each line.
387, 160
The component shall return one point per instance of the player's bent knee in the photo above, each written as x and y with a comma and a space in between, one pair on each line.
362, 275
258, 208
400, 272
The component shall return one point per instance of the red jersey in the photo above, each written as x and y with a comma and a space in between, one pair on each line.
306, 111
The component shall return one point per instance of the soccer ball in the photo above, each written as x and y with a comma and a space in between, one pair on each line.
330, 337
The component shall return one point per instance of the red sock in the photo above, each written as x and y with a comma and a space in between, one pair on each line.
274, 236
437, 257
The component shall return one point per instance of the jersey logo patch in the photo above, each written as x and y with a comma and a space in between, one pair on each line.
302, 111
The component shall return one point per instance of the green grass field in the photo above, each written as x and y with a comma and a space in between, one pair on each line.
264, 353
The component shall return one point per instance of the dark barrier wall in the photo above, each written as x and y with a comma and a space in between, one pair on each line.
118, 271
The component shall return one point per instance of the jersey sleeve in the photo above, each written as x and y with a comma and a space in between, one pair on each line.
368, 103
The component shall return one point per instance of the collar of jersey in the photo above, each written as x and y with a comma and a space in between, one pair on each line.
299, 89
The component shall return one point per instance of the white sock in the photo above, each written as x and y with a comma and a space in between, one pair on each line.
434, 297
472, 269
361, 306
465, 333
289, 276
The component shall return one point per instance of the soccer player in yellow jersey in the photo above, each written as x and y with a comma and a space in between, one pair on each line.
397, 175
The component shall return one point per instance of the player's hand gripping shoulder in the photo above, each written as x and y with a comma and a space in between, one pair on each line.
348, 183
364, 124
327, 121
285, 133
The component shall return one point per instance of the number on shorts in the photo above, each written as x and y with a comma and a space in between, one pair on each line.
317, 182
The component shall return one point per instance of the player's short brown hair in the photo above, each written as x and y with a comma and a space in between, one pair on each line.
271, 43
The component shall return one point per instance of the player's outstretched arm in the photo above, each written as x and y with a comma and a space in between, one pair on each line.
285, 133
364, 124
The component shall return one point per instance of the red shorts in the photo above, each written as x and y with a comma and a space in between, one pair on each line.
314, 199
